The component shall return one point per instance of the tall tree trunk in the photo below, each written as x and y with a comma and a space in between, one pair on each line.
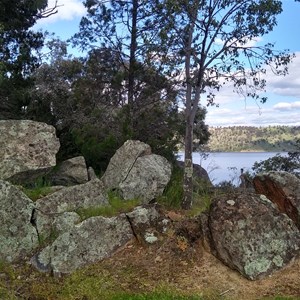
132, 65
187, 200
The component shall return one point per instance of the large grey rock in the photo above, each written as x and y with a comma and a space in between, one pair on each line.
283, 189
68, 199
26, 145
123, 161
18, 237
69, 172
147, 178
88, 242
250, 235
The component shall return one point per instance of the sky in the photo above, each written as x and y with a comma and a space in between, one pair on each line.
283, 92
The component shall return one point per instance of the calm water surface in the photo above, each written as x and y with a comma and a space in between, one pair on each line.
227, 165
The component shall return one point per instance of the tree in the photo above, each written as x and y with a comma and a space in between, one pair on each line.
17, 52
120, 36
127, 29
214, 42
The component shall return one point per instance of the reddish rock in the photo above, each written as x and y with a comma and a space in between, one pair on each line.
283, 189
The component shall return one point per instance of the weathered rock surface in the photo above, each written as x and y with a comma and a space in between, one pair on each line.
18, 237
69, 172
147, 179
137, 173
198, 172
123, 161
68, 199
90, 241
250, 235
283, 189
91, 174
26, 145
148, 222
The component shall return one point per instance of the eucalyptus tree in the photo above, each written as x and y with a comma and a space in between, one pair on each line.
217, 41
128, 28
18, 44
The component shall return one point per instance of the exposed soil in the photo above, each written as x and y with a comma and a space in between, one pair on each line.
176, 262
196, 271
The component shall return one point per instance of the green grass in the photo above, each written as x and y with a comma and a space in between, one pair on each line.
281, 298
155, 296
37, 193
116, 206
37, 190
173, 194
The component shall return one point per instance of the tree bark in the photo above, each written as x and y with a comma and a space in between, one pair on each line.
132, 65
187, 200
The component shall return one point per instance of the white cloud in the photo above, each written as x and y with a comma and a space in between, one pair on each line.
67, 10
246, 42
287, 105
236, 110
288, 85
254, 116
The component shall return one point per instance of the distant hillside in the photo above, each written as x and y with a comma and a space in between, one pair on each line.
250, 138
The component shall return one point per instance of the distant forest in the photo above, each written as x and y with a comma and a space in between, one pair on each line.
250, 138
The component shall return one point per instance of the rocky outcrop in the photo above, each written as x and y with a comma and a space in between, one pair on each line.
247, 232
18, 236
136, 173
122, 162
68, 199
283, 189
26, 145
147, 178
250, 235
148, 223
87, 242
70, 172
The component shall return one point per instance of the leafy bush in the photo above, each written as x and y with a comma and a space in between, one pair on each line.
289, 163
96, 150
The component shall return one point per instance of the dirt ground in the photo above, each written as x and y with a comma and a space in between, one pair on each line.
195, 270
178, 264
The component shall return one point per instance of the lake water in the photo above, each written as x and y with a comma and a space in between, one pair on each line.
223, 166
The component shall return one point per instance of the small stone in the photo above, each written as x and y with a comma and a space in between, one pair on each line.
231, 202
150, 238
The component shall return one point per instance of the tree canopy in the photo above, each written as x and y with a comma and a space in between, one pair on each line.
18, 44
213, 42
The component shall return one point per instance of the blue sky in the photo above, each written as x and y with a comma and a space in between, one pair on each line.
283, 105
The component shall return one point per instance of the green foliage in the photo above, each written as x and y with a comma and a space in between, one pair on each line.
17, 46
40, 188
173, 193
96, 147
37, 193
7, 269
289, 163
155, 296
172, 196
202, 196
250, 138
116, 206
